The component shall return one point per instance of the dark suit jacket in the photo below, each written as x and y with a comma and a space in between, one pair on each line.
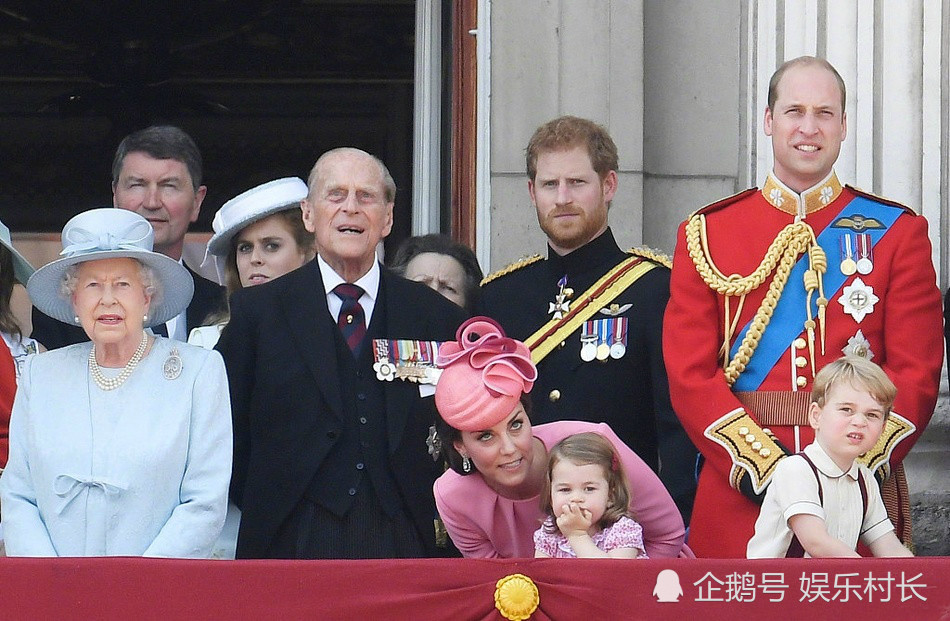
208, 298
287, 404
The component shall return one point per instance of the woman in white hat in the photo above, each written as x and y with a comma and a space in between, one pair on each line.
259, 235
14, 347
122, 445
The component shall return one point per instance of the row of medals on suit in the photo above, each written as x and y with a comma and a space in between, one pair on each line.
600, 338
406, 359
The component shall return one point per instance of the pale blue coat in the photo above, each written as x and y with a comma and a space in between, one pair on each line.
140, 470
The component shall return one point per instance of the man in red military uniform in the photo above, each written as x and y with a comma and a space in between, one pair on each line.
770, 285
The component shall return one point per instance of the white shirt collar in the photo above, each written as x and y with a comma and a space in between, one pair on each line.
826, 465
369, 281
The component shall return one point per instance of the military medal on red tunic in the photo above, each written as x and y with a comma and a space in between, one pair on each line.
865, 261
848, 264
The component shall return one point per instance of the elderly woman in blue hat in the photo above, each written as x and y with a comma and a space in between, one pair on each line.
122, 445
259, 235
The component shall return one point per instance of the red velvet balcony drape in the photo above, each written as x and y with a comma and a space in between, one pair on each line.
587, 590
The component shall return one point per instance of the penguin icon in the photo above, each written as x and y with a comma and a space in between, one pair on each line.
667, 587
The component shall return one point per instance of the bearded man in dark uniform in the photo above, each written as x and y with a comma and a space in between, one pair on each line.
592, 313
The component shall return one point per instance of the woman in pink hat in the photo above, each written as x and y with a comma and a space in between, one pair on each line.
489, 499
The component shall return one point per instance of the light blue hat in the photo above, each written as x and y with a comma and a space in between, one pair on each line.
111, 233
22, 270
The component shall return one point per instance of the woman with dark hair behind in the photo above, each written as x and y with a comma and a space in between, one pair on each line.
14, 347
442, 264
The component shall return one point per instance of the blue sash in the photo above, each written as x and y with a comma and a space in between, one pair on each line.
789, 318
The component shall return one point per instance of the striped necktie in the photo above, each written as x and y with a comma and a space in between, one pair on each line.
351, 320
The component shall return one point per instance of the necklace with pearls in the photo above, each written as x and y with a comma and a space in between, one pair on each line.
111, 383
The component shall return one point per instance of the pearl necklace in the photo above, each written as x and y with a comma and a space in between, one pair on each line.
111, 383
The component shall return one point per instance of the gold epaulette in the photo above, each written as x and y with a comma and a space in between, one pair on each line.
511, 267
723, 202
653, 255
880, 199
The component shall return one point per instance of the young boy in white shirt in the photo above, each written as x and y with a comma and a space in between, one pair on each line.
821, 501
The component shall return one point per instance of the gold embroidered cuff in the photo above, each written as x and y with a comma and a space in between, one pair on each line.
752, 450
895, 429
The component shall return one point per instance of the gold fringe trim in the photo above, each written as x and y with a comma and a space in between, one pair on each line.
653, 255
511, 267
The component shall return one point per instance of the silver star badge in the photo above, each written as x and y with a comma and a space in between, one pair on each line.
858, 345
858, 299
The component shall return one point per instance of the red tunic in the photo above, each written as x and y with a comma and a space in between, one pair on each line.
7, 392
903, 332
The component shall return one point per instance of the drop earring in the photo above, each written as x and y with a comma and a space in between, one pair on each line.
466, 465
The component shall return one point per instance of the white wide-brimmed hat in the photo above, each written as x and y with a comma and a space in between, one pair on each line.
247, 208
22, 270
111, 233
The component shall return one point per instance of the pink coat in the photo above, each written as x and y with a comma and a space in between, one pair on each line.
483, 524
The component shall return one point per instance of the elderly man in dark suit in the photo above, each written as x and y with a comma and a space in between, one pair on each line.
330, 458
156, 173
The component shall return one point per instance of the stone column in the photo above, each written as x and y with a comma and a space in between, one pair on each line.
554, 57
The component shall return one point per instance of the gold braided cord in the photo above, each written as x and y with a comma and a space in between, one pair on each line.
764, 313
793, 240
819, 263
735, 284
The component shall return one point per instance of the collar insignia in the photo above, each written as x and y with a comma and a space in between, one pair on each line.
811, 200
